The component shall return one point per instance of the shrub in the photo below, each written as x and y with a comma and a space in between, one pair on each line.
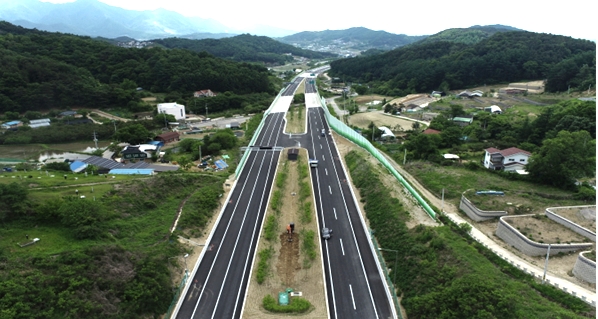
296, 305
263, 266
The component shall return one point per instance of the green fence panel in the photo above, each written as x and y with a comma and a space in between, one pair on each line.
347, 132
177, 294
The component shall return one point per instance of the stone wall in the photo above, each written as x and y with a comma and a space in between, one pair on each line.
569, 224
529, 247
476, 214
585, 269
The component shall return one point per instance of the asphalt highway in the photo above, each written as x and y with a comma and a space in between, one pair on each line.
355, 287
219, 282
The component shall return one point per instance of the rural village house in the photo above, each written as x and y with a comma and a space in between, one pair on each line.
204, 93
168, 137
510, 159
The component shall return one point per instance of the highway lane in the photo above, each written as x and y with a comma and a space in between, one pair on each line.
219, 282
355, 288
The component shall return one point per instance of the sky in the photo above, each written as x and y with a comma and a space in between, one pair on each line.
574, 18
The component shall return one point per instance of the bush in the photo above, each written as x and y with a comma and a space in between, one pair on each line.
263, 266
296, 305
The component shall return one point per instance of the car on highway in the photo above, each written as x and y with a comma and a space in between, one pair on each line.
326, 233
323, 132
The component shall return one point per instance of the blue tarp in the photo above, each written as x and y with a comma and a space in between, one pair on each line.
78, 166
158, 143
220, 164
131, 171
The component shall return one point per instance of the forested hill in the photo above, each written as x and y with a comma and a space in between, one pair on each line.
471, 35
504, 57
42, 70
360, 38
245, 48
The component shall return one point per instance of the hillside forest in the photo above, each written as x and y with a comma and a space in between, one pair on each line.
565, 63
245, 48
42, 71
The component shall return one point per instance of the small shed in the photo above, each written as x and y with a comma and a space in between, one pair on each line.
292, 154
493, 109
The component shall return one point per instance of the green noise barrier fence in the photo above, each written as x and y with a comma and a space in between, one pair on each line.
356, 138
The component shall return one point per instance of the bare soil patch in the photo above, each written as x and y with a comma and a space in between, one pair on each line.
584, 217
543, 230
362, 120
288, 261
366, 98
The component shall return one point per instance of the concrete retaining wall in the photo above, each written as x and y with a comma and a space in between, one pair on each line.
569, 224
585, 269
529, 247
476, 214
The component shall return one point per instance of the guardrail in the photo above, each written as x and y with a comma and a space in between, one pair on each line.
356, 138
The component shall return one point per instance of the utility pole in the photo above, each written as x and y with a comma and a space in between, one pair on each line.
206, 105
95, 139
546, 264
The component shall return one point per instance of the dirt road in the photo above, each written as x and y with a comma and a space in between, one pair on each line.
109, 116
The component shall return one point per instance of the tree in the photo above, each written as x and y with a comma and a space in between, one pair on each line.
159, 119
451, 136
563, 159
424, 146
133, 134
13, 199
83, 217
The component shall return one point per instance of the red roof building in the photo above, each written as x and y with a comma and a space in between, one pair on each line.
168, 137
431, 131
510, 159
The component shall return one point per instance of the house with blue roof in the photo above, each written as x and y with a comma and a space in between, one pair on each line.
12, 125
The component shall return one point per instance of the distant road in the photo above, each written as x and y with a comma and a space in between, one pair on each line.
109, 116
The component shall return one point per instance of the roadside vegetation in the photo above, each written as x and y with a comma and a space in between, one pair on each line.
102, 256
296, 305
444, 273
271, 226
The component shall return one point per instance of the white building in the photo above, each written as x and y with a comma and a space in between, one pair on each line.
511, 159
174, 109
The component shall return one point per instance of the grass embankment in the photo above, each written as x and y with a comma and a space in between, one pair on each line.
443, 273
457, 179
106, 258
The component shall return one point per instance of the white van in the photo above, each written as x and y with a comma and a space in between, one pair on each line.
313, 163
